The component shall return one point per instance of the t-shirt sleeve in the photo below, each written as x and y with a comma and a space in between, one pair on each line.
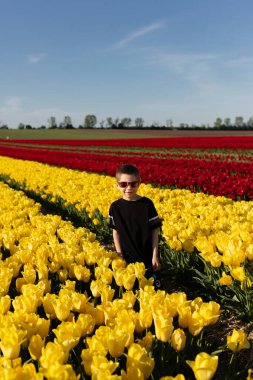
153, 219
110, 222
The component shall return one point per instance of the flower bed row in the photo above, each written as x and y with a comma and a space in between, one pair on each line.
214, 142
69, 308
178, 154
232, 179
212, 236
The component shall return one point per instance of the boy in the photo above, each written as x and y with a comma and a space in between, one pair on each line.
135, 222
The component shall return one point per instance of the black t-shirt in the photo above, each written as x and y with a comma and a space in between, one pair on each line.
134, 222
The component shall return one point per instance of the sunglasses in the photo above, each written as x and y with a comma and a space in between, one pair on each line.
125, 184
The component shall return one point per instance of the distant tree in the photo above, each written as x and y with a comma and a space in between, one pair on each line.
67, 123
90, 121
115, 123
155, 124
250, 122
227, 122
4, 126
218, 123
28, 126
169, 123
139, 122
102, 123
52, 124
239, 121
109, 122
42, 127
21, 126
126, 122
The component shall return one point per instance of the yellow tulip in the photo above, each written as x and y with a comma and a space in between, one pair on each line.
104, 273
188, 246
29, 273
82, 273
125, 319
117, 264
8, 363
48, 302
132, 373
59, 371
210, 311
128, 280
11, 341
107, 294
35, 346
5, 280
146, 341
110, 312
28, 304
96, 222
79, 302
204, 366
87, 356
178, 339
225, 279
163, 327
102, 364
130, 299
42, 327
63, 274
96, 287
62, 307
85, 324
196, 323
184, 312
67, 334
119, 276
238, 274
97, 344
196, 304
215, 259
237, 341
173, 300
96, 312
145, 317
51, 354
5, 303
138, 358
139, 269
116, 342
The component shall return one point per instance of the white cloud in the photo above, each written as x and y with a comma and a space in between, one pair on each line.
179, 62
242, 62
35, 58
138, 33
12, 104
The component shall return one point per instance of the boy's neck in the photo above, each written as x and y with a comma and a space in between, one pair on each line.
135, 198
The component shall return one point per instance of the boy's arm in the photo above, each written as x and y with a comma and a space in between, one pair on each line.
116, 241
155, 258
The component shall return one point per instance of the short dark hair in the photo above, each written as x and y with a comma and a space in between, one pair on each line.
128, 169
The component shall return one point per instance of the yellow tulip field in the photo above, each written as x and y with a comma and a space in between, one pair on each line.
70, 308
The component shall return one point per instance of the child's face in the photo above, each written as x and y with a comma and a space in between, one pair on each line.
128, 185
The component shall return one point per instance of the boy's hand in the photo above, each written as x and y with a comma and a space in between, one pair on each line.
156, 263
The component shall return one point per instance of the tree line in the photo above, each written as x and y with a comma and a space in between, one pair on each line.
90, 121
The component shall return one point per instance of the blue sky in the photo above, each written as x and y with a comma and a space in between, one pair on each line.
186, 60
